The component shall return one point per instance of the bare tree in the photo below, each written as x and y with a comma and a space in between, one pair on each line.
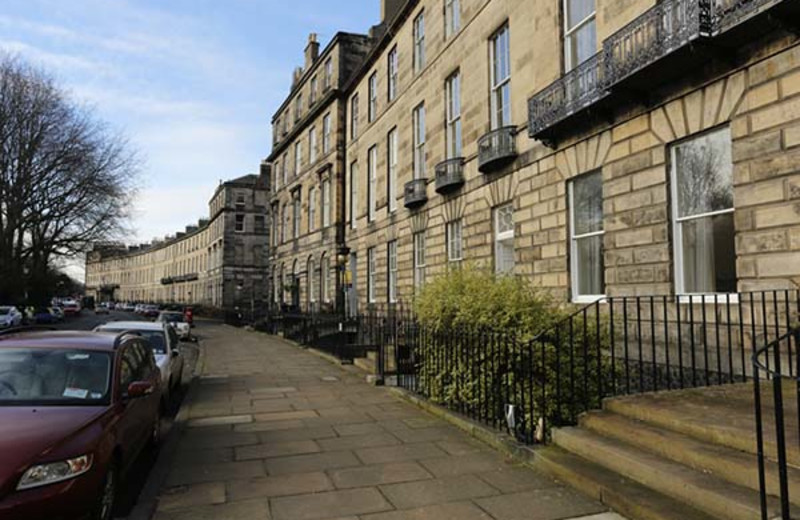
66, 180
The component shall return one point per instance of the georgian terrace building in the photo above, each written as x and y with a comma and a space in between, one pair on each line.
595, 147
220, 262
307, 202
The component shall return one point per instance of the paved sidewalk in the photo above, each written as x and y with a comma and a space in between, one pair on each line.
276, 432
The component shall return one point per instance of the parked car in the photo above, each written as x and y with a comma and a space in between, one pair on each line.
44, 316
163, 341
101, 309
10, 317
76, 409
177, 321
150, 311
71, 308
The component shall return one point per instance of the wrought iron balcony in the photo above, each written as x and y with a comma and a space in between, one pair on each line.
450, 175
576, 90
663, 29
416, 193
731, 18
496, 149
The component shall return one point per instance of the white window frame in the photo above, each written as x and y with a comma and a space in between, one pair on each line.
573, 244
312, 209
391, 267
455, 244
503, 236
419, 141
372, 98
372, 183
298, 107
498, 85
326, 203
354, 116
312, 145
420, 260
391, 81
677, 229
569, 31
354, 195
419, 42
298, 158
297, 214
452, 17
371, 274
328, 80
391, 167
312, 88
326, 133
453, 136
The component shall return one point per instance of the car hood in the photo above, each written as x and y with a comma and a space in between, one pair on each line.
30, 433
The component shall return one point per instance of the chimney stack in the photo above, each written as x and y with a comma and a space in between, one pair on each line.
296, 75
389, 9
312, 51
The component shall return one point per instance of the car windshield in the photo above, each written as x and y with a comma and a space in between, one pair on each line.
155, 337
4, 310
172, 317
54, 377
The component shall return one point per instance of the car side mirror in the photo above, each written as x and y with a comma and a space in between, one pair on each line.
139, 389
176, 352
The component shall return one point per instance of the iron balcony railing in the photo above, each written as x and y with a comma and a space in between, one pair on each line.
576, 90
729, 13
661, 30
416, 193
496, 149
450, 175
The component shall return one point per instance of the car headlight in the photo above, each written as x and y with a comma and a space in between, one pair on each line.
44, 474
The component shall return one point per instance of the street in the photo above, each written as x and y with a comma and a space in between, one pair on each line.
139, 473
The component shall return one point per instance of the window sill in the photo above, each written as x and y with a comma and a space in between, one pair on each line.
585, 299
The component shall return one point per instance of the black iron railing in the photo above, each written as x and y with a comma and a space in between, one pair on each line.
777, 367
497, 148
661, 30
415, 193
728, 13
450, 175
579, 88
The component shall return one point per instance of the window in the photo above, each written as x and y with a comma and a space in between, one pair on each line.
285, 124
312, 209
702, 194
353, 195
240, 203
391, 83
586, 236
326, 203
372, 107
391, 174
372, 183
284, 223
452, 17
312, 95
501, 79
328, 78
419, 42
454, 247
298, 107
419, 142
298, 158
296, 215
259, 224
371, 275
285, 169
323, 278
312, 145
354, 116
580, 32
453, 116
419, 259
504, 239
326, 134
312, 281
392, 268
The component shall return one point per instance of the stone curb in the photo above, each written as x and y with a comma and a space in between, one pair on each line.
147, 502
499, 441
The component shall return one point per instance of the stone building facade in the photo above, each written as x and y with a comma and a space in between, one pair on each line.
308, 162
594, 147
220, 262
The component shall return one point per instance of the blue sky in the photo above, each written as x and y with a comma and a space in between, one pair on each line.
192, 83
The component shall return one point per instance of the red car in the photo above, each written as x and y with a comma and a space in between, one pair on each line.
76, 409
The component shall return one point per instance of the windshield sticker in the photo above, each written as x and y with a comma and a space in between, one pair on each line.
77, 357
96, 395
76, 393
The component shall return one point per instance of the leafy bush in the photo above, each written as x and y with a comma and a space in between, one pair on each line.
487, 341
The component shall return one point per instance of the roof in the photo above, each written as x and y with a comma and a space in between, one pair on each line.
132, 325
102, 341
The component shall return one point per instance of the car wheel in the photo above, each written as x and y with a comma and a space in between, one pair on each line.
108, 495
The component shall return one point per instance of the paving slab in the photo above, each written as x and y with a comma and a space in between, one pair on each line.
313, 462
452, 511
283, 485
377, 474
540, 504
276, 449
411, 495
183, 497
330, 504
257, 509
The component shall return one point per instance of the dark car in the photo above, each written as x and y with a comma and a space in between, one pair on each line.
76, 409
44, 316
